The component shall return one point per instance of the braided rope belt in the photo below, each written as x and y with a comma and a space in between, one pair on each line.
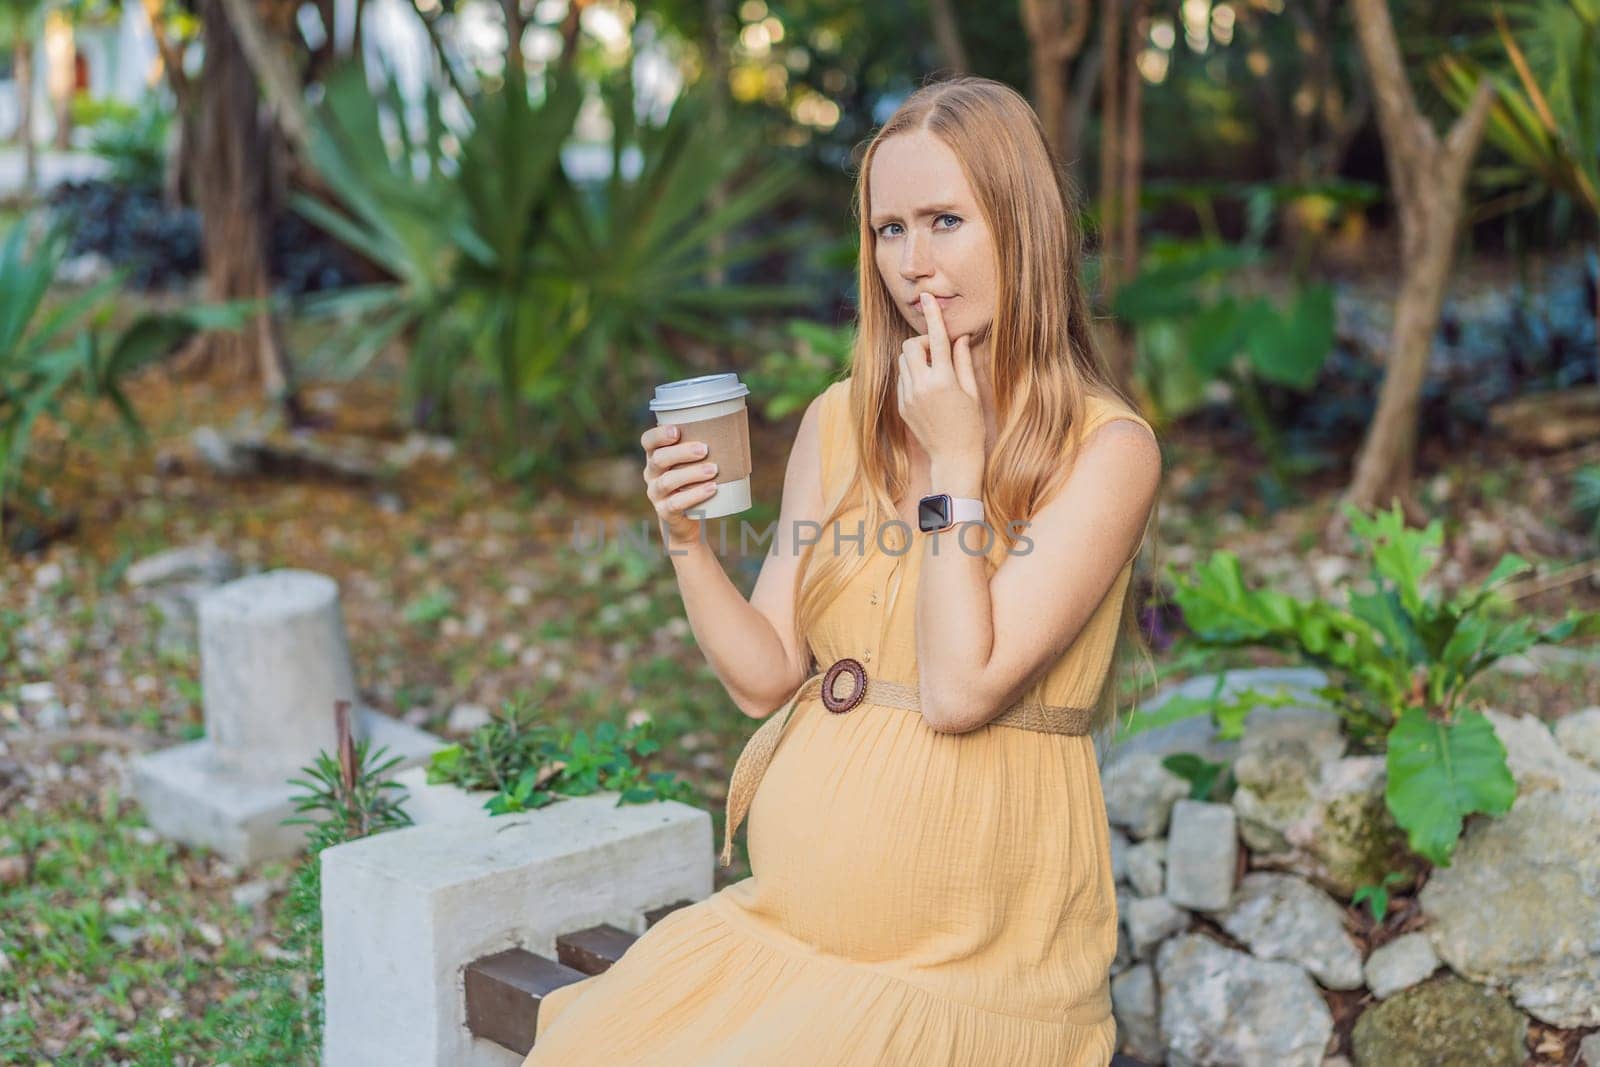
758, 751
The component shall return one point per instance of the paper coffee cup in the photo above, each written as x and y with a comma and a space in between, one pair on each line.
711, 408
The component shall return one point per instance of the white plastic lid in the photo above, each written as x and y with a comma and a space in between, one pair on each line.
693, 392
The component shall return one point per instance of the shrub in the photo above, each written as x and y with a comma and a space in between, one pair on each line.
1401, 656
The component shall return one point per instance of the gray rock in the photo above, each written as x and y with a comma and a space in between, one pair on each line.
1202, 855
1445, 1021
219, 453
84, 270
1119, 855
1335, 829
1589, 1050
1197, 734
1139, 794
1277, 770
1519, 906
51, 716
1284, 917
1151, 920
253, 894
1222, 1008
465, 718
1124, 957
1314, 735
189, 563
1541, 658
1400, 964
125, 935
1146, 864
37, 693
171, 583
1330, 571
1536, 760
1579, 735
1134, 1003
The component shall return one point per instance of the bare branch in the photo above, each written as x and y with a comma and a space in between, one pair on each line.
1398, 117
1461, 143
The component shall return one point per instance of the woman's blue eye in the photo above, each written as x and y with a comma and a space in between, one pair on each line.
946, 215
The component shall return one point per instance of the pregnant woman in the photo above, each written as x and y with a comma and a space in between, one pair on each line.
931, 872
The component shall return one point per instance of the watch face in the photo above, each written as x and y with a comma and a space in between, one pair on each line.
933, 512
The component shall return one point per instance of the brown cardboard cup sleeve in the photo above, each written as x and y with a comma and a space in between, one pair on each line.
727, 439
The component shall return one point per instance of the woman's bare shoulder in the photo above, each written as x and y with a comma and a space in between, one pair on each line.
1104, 407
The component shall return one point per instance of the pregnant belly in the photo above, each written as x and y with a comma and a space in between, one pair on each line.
875, 837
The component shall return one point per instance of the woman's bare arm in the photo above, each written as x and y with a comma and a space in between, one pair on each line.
982, 642
751, 645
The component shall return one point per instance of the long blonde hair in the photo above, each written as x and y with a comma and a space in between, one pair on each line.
1045, 359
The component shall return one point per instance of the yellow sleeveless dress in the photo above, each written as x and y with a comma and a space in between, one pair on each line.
916, 898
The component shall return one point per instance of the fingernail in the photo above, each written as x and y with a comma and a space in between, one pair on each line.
672, 433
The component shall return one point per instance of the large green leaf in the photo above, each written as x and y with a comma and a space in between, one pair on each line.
1289, 348
1401, 555
1167, 289
1441, 772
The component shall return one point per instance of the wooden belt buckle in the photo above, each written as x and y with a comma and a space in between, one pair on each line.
854, 668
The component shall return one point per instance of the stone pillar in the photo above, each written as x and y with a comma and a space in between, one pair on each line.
273, 661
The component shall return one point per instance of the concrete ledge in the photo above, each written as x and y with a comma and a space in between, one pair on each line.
428, 804
189, 796
405, 912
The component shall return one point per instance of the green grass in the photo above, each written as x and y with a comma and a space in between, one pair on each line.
133, 947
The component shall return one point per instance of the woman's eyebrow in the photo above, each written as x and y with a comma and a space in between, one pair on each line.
932, 209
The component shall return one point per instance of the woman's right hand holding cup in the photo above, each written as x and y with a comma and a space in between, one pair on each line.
677, 478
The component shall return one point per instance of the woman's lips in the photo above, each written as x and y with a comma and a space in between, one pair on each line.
943, 302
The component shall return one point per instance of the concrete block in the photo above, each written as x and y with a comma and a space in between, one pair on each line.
404, 913
428, 804
274, 660
189, 795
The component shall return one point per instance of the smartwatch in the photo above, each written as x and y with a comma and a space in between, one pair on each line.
940, 511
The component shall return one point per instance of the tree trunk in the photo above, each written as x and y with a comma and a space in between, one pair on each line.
1085, 73
716, 273
269, 64
1131, 157
570, 28
1130, 161
234, 194
1110, 143
1428, 179
1055, 36
515, 25
1121, 157
22, 61
61, 53
177, 182
947, 32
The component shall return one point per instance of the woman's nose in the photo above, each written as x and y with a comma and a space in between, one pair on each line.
915, 261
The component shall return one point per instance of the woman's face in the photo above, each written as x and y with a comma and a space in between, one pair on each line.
930, 236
